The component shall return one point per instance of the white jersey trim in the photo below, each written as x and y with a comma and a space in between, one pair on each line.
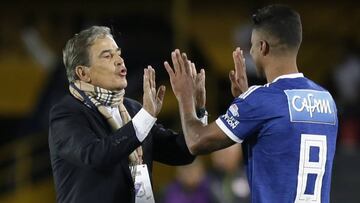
292, 75
249, 91
228, 132
255, 87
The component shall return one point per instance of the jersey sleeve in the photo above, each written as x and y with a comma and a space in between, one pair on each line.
244, 116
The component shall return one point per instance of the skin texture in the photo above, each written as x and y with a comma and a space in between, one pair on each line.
200, 138
108, 71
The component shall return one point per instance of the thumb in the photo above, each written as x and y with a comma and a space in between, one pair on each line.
232, 76
202, 73
161, 93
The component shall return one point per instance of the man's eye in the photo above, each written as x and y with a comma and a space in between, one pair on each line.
107, 56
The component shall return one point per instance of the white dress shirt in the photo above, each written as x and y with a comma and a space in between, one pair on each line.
142, 121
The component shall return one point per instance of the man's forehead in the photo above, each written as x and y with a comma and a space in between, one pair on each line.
105, 43
102, 45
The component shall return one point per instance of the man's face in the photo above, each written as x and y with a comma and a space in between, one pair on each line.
256, 53
107, 69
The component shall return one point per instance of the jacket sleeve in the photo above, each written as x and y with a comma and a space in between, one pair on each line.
170, 147
74, 140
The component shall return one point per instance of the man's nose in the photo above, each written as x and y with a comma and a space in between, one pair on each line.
119, 61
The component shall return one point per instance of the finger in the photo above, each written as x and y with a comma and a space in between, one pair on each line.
153, 80
169, 70
200, 79
151, 76
240, 67
236, 62
193, 70
241, 58
232, 76
146, 81
180, 61
186, 65
175, 63
202, 72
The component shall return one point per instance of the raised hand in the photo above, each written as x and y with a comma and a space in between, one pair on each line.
181, 78
200, 91
152, 99
238, 78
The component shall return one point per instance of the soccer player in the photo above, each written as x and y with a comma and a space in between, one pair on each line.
288, 127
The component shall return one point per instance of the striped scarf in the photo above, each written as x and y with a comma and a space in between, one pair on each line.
98, 97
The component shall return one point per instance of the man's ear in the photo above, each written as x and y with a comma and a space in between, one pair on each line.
83, 73
264, 47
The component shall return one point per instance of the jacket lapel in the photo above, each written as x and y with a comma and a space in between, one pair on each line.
100, 118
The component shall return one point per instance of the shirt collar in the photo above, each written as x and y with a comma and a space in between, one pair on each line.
292, 75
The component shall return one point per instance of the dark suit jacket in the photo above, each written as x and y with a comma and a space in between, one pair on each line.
90, 161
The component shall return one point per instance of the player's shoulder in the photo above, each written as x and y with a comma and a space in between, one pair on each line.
255, 92
316, 86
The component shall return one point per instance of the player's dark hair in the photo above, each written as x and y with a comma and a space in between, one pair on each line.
281, 22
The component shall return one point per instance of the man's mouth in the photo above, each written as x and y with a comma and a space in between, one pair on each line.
123, 72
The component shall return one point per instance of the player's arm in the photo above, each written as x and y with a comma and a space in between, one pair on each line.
200, 138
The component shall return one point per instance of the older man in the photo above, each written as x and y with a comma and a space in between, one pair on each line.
101, 142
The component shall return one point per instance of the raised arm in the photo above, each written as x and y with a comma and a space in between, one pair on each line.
200, 138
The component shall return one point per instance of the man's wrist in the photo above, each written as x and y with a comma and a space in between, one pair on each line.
201, 112
143, 121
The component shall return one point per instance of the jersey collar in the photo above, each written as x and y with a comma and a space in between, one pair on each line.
292, 75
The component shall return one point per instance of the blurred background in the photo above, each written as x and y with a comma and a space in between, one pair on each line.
32, 79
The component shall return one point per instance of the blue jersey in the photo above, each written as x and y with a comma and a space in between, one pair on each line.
288, 129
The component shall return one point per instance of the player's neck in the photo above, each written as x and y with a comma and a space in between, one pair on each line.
280, 66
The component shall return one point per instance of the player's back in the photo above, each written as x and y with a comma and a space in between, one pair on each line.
290, 154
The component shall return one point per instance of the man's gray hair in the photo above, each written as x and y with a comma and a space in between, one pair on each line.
76, 51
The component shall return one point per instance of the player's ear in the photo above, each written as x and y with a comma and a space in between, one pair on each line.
264, 47
83, 73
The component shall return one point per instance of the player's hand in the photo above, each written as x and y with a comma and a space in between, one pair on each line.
152, 99
181, 79
238, 78
200, 91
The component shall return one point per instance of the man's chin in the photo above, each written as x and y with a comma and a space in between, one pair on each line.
122, 86
119, 87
